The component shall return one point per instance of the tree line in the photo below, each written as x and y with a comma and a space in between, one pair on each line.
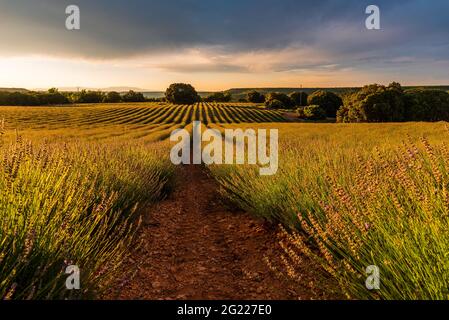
55, 97
372, 103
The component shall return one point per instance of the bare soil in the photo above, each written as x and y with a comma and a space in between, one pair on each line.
194, 247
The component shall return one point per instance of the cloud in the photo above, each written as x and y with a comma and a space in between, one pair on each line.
199, 68
218, 59
230, 36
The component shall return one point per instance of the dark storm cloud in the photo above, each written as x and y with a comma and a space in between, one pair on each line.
116, 29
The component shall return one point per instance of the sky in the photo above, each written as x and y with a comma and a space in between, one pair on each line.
222, 44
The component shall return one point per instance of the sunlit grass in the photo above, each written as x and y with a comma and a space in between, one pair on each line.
72, 204
354, 196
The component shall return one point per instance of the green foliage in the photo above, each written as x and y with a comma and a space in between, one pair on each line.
352, 196
112, 97
313, 112
394, 215
87, 96
299, 98
181, 93
300, 112
374, 103
218, 97
53, 97
18, 99
132, 96
274, 104
31, 98
255, 97
64, 204
427, 105
329, 101
285, 100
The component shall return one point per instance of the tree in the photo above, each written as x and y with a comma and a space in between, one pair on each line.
314, 112
112, 97
374, 103
219, 97
87, 96
329, 101
52, 97
299, 98
287, 103
181, 93
427, 105
274, 104
33, 98
18, 99
132, 96
255, 97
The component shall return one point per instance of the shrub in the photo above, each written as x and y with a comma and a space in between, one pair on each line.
31, 98
299, 98
300, 112
255, 97
52, 97
85, 96
219, 97
274, 104
132, 96
181, 93
329, 101
18, 99
112, 97
427, 105
314, 112
285, 100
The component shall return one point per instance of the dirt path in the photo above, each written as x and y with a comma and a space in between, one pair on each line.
195, 248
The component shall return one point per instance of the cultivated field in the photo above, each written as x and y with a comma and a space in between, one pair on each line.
73, 179
348, 195
145, 121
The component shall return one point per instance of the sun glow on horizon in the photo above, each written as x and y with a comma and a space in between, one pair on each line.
204, 70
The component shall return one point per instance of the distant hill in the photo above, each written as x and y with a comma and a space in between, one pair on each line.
123, 89
13, 90
74, 89
444, 88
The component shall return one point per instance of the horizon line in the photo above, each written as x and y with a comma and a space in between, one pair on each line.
201, 90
